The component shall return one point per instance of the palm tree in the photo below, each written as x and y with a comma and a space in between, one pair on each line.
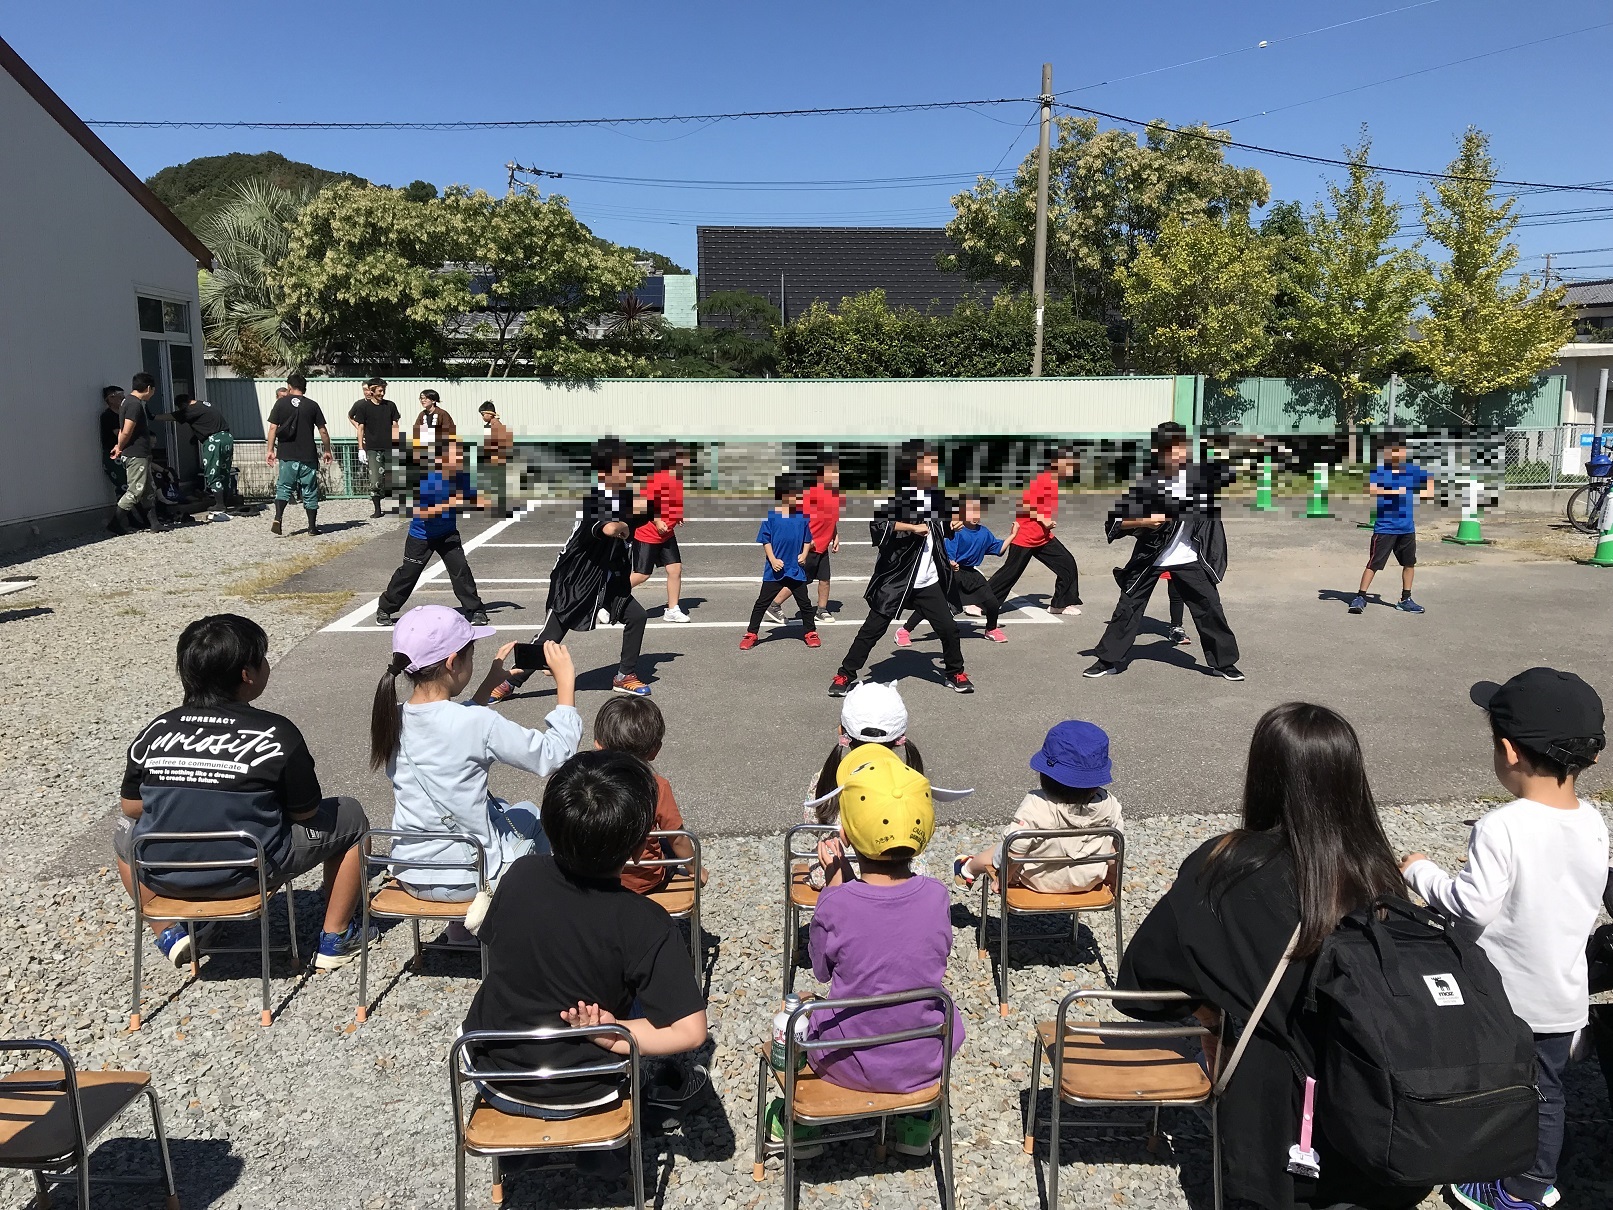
249, 237
633, 318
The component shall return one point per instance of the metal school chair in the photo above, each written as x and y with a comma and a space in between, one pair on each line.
800, 896
49, 1120
810, 1100
1022, 901
392, 902
172, 910
491, 1132
681, 894
1113, 1063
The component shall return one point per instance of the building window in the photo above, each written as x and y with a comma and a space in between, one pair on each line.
176, 318
150, 314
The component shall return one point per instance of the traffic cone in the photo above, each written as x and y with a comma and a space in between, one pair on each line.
1318, 501
1468, 531
1604, 544
1263, 502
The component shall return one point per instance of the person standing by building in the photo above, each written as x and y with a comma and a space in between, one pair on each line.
292, 423
375, 420
433, 424
133, 451
498, 456
111, 425
215, 445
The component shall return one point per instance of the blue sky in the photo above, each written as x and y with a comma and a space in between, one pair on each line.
1544, 105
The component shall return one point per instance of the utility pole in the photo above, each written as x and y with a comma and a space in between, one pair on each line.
1548, 270
1040, 281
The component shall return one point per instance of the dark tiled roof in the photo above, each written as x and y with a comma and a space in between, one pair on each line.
1590, 293
831, 263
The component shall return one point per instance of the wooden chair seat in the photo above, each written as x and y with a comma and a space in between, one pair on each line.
1125, 1069
491, 1130
36, 1125
1023, 899
393, 900
161, 906
677, 896
802, 892
816, 1098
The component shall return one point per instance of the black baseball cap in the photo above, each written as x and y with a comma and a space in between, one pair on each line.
1544, 710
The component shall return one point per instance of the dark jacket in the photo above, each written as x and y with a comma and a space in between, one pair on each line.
900, 552
1200, 512
1221, 949
593, 571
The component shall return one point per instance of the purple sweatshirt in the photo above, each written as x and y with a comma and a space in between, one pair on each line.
870, 940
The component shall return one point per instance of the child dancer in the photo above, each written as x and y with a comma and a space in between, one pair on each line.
786, 538
1033, 539
966, 549
821, 504
1396, 484
434, 526
654, 543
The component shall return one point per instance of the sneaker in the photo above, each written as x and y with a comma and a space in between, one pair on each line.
274, 527
1228, 673
502, 691
336, 950
376, 510
312, 531
811, 639
674, 615
221, 515
676, 1084
1551, 1197
840, 686
996, 635
748, 640
1069, 609
1101, 668
627, 682
1407, 605
175, 942
960, 871
383, 618
603, 617
458, 936
479, 618
1358, 603
910, 1133
974, 611
1490, 1196
1179, 637
775, 614
959, 682
806, 1135
903, 638
825, 618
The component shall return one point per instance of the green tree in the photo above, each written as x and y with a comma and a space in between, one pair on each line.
1356, 290
740, 310
657, 261
242, 316
1287, 244
420, 191
1481, 335
198, 188
1198, 300
1109, 196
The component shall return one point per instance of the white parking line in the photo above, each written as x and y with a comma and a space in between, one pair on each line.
530, 627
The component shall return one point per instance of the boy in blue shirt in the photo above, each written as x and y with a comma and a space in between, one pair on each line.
966, 549
1396, 484
786, 537
434, 526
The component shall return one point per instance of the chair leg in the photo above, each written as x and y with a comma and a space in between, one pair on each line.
195, 950
157, 1129
949, 1186
1053, 1143
498, 1183
41, 1192
1215, 1149
880, 1151
362, 1013
1120, 941
694, 941
789, 947
459, 1175
139, 950
980, 922
787, 1126
82, 1173
291, 923
635, 1152
419, 954
1036, 1091
263, 946
759, 1172
1002, 965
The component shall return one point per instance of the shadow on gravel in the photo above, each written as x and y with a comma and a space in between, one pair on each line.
1046, 942
1184, 1144
205, 1170
17, 615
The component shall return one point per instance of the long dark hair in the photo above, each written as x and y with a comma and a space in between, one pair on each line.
386, 712
1306, 788
830, 811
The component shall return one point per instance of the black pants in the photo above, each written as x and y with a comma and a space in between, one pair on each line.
416, 554
931, 602
633, 619
1178, 606
1203, 599
770, 589
969, 587
1055, 557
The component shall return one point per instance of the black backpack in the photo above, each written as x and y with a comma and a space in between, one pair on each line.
1423, 1074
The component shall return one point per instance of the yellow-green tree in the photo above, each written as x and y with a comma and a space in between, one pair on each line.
1481, 334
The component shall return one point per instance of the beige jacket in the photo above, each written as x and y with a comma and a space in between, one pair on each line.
1038, 812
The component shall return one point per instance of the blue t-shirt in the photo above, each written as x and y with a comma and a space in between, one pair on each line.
787, 534
435, 489
971, 544
1396, 514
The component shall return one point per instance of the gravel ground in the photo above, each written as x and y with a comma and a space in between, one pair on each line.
318, 1112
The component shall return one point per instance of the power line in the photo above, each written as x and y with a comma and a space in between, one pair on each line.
806, 186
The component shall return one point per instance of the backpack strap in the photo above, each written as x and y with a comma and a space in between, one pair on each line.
1259, 1012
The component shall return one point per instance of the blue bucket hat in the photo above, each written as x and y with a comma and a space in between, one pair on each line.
1075, 754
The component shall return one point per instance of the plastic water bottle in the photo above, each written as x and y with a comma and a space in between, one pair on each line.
781, 1024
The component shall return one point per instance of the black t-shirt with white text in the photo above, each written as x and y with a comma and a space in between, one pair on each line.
204, 419
376, 419
229, 767
553, 940
139, 443
297, 416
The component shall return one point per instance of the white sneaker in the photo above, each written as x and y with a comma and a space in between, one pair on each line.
674, 615
825, 618
775, 615
974, 611
220, 516
603, 617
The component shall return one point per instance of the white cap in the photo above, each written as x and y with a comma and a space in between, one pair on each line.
874, 713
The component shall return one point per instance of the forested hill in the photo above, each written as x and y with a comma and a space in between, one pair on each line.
195, 189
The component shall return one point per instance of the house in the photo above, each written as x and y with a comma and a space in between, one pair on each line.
793, 267
1592, 302
1584, 362
97, 281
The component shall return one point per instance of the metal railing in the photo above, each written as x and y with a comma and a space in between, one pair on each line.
1551, 457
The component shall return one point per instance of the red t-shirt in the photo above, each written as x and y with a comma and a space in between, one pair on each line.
822, 507
665, 490
1043, 496
645, 879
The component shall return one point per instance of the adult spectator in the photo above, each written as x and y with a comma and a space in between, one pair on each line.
111, 424
292, 423
497, 458
375, 420
132, 450
219, 764
215, 445
1309, 852
433, 424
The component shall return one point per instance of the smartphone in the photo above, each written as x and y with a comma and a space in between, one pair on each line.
528, 657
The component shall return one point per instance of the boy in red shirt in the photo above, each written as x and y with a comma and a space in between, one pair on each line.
1033, 539
821, 504
654, 543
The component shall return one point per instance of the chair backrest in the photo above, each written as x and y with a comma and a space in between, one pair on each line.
1115, 858
817, 831
1131, 1029
462, 1066
661, 863
258, 861
942, 1029
65, 1086
476, 863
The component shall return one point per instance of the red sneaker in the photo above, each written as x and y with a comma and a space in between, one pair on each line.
748, 641
840, 686
996, 635
959, 682
903, 638
811, 639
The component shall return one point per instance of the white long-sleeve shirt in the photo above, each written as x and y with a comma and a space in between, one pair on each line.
1529, 895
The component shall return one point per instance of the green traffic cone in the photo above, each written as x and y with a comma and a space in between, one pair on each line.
1604, 544
1468, 530
1317, 507
1263, 502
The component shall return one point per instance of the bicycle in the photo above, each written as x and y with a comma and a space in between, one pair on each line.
1586, 505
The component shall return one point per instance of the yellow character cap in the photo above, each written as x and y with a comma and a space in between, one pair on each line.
884, 805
